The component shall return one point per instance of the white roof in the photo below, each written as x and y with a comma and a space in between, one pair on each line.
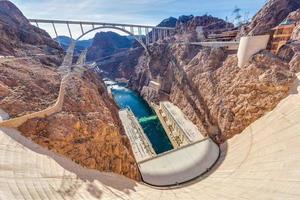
155, 83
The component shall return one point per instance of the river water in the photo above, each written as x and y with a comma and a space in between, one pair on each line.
125, 97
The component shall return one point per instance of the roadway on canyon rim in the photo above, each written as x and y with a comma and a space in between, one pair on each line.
263, 162
67, 70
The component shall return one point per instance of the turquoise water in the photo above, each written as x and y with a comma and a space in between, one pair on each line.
125, 97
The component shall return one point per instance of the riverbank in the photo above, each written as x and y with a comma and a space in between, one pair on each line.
126, 98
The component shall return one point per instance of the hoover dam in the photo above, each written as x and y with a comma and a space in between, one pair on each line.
262, 161
195, 107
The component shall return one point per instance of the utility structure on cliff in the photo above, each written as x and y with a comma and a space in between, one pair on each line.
144, 34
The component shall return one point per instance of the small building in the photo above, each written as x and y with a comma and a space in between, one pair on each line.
281, 35
154, 85
200, 33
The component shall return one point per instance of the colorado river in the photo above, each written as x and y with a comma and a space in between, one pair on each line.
124, 98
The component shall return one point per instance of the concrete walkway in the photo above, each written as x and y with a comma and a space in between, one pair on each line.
260, 163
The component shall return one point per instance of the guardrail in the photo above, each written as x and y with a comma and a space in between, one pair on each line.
56, 107
18, 121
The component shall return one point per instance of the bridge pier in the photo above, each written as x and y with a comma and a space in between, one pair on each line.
81, 27
153, 35
131, 30
140, 34
69, 30
54, 29
147, 36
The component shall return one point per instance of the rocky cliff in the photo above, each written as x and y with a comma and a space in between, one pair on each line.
274, 12
87, 130
295, 16
28, 81
80, 46
108, 43
122, 64
206, 83
169, 22
19, 37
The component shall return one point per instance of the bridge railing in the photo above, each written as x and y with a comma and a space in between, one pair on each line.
151, 33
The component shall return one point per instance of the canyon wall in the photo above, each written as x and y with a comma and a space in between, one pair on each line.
122, 64
271, 15
207, 84
218, 96
108, 43
87, 130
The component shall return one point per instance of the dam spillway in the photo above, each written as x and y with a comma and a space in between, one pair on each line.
158, 148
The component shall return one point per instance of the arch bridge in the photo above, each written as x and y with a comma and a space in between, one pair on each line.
144, 34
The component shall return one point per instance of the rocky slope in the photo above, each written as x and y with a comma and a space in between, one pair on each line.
218, 96
87, 130
206, 83
19, 37
295, 16
28, 81
27, 85
169, 22
122, 64
80, 46
274, 12
106, 44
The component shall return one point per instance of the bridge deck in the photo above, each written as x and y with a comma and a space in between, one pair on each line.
95, 23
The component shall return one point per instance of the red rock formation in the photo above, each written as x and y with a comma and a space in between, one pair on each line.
122, 64
19, 37
87, 130
106, 44
271, 15
218, 96
295, 16
28, 85
206, 83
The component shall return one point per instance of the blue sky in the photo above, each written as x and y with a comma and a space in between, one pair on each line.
149, 12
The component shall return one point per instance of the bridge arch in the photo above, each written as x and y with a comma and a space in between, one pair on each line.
117, 28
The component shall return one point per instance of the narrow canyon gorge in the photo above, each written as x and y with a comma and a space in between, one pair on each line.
206, 83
